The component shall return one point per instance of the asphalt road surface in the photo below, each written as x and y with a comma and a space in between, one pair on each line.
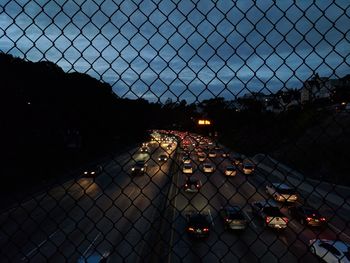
143, 218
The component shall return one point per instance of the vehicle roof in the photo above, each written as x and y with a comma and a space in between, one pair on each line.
232, 209
192, 179
338, 244
282, 186
198, 218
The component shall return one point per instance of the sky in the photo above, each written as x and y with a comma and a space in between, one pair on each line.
183, 49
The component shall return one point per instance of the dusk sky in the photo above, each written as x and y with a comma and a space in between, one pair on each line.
196, 49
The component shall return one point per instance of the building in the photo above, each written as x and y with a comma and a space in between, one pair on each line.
315, 89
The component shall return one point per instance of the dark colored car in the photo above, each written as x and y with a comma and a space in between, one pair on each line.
163, 158
140, 167
192, 184
307, 216
93, 171
198, 226
233, 218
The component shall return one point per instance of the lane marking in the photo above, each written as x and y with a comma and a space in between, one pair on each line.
172, 229
132, 191
250, 219
38, 246
211, 218
98, 196
93, 242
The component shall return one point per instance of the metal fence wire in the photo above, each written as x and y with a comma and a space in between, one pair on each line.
174, 131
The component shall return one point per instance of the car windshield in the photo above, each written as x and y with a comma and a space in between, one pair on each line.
199, 220
330, 248
310, 212
140, 163
207, 166
234, 213
272, 211
192, 180
231, 168
248, 165
187, 166
286, 191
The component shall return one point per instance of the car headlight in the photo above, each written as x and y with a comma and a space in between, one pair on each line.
142, 169
133, 169
92, 172
85, 172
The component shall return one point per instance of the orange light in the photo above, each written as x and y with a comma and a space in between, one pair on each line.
204, 122
190, 229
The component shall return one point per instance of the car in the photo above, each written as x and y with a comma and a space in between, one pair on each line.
93, 171
187, 169
140, 168
217, 148
212, 154
95, 257
307, 216
163, 158
233, 218
270, 214
281, 192
192, 184
237, 160
186, 160
208, 168
201, 157
144, 149
248, 168
330, 250
198, 225
225, 155
230, 170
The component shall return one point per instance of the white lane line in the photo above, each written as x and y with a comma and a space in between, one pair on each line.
98, 196
172, 229
132, 191
91, 244
293, 224
211, 218
250, 219
338, 231
38, 246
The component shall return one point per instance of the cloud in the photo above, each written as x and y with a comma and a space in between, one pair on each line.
183, 44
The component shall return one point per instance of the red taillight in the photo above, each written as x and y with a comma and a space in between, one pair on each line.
308, 219
268, 219
186, 185
197, 185
206, 229
323, 219
285, 219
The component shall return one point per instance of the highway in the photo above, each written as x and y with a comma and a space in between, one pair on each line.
113, 214
142, 218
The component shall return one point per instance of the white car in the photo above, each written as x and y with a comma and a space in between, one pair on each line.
230, 170
212, 154
281, 192
208, 168
248, 168
330, 250
201, 157
187, 169
186, 160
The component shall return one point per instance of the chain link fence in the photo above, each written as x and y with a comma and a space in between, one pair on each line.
174, 131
